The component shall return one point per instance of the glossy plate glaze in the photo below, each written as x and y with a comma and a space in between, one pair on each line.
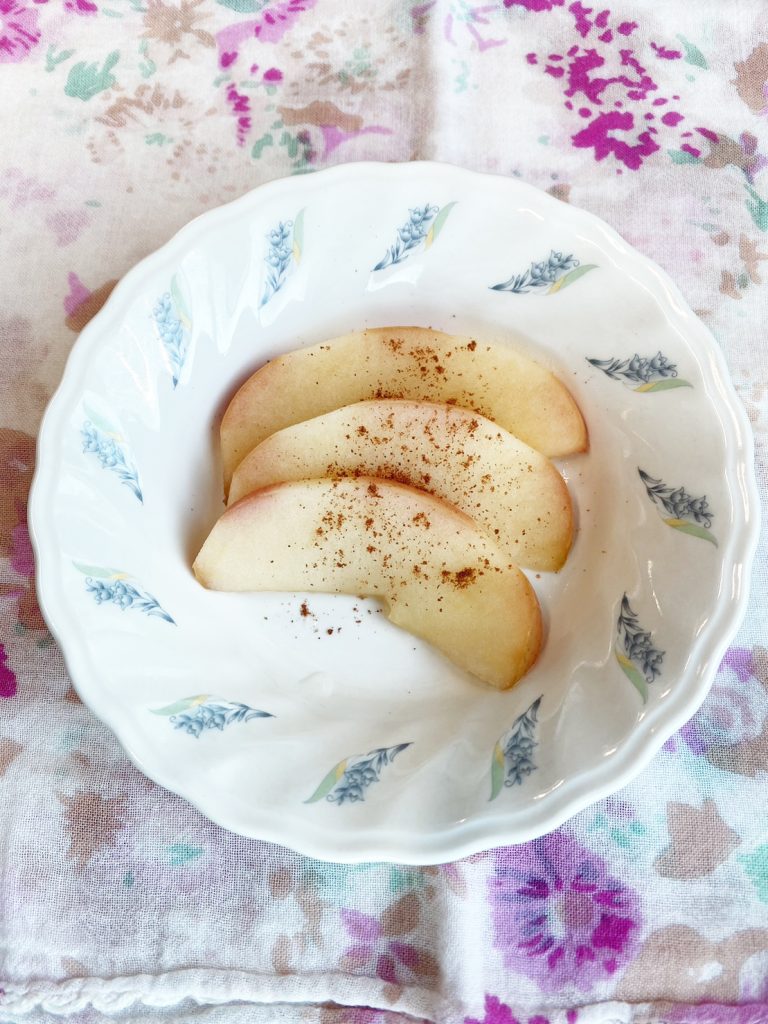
310, 720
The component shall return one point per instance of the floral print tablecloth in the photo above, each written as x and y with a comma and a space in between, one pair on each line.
124, 118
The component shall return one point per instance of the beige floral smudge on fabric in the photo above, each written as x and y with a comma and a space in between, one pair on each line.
699, 841
745, 758
170, 24
9, 751
751, 78
17, 463
92, 822
679, 963
88, 309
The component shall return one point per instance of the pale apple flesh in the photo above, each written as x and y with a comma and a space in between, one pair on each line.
412, 363
512, 491
439, 576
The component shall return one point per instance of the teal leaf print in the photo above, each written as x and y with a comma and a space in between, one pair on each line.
112, 586
512, 760
348, 780
640, 661
87, 80
684, 512
556, 272
261, 144
244, 6
756, 867
180, 854
53, 59
693, 54
196, 715
758, 208
679, 156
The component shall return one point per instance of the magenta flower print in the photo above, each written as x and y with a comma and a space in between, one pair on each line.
496, 1012
7, 676
558, 915
19, 33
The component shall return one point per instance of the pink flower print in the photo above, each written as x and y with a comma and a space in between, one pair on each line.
19, 33
534, 5
496, 1012
558, 915
7, 676
272, 23
241, 108
378, 946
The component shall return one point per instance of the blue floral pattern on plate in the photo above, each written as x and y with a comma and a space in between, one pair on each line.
348, 780
685, 513
424, 224
558, 271
642, 373
285, 243
640, 660
112, 586
512, 761
103, 441
195, 715
174, 324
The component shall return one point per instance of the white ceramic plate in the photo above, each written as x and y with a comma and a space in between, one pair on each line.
336, 733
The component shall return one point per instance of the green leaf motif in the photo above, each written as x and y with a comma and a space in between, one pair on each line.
244, 6
179, 303
663, 385
97, 572
497, 772
100, 422
571, 276
758, 208
53, 59
261, 144
693, 55
180, 705
756, 867
87, 80
632, 674
298, 237
438, 224
692, 529
680, 156
180, 854
328, 782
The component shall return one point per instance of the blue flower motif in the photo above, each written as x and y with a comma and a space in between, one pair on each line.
640, 660
111, 455
173, 323
347, 781
642, 373
110, 586
513, 760
284, 247
195, 715
410, 234
554, 273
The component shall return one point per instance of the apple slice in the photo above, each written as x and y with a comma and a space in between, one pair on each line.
404, 362
509, 489
437, 573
